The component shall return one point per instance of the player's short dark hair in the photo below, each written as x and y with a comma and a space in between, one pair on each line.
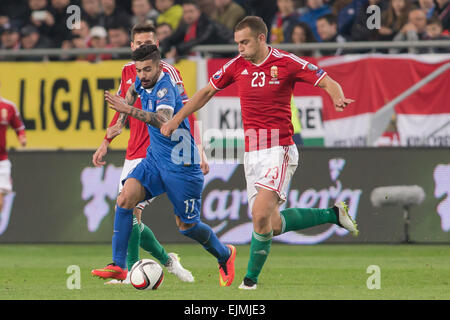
142, 27
146, 52
255, 23
331, 18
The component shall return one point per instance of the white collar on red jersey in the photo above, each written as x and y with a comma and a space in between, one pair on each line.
265, 59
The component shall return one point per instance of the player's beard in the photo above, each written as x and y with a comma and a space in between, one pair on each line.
150, 83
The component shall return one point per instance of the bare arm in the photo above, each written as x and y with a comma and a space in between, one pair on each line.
155, 119
198, 100
130, 98
334, 89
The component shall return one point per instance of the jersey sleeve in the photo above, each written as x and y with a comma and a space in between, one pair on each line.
165, 97
182, 92
175, 75
224, 76
16, 122
306, 71
121, 92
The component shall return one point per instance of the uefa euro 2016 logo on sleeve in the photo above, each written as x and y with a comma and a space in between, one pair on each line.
218, 74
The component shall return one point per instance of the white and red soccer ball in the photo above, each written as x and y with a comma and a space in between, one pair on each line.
146, 274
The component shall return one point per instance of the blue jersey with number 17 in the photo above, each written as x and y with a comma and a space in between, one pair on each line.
173, 152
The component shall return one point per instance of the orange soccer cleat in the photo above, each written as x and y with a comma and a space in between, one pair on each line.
226, 270
112, 271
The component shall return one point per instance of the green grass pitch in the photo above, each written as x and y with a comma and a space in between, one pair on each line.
291, 272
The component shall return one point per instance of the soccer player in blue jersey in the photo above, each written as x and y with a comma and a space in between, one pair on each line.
171, 166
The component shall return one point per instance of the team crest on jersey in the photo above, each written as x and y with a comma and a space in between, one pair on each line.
274, 75
161, 93
312, 67
274, 72
218, 74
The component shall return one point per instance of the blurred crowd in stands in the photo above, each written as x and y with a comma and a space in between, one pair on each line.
181, 25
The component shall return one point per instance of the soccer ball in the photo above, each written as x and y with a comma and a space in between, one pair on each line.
146, 274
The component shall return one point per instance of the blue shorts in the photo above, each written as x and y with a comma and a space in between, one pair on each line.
184, 188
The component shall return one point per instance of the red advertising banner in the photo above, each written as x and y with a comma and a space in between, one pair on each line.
422, 119
374, 80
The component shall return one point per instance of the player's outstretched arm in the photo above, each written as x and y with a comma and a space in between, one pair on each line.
155, 119
116, 129
334, 89
198, 100
23, 140
100, 153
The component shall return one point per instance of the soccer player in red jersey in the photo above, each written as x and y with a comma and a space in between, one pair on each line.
9, 116
266, 78
138, 143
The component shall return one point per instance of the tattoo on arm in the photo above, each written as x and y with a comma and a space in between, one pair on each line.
155, 119
131, 95
130, 98
122, 119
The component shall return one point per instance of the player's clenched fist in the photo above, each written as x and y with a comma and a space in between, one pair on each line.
169, 127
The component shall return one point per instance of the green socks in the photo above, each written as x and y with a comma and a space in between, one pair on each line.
150, 244
302, 218
259, 250
292, 219
142, 236
133, 244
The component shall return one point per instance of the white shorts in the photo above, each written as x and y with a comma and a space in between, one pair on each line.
5, 176
128, 166
271, 169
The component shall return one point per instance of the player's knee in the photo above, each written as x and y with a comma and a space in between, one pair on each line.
260, 216
124, 201
276, 224
185, 226
260, 222
181, 225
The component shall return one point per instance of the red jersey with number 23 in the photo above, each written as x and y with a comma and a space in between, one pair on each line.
265, 92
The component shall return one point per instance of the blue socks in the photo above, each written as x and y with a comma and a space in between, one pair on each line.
203, 234
123, 224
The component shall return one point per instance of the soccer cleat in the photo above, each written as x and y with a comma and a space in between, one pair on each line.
248, 284
174, 266
226, 270
111, 271
345, 220
115, 281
